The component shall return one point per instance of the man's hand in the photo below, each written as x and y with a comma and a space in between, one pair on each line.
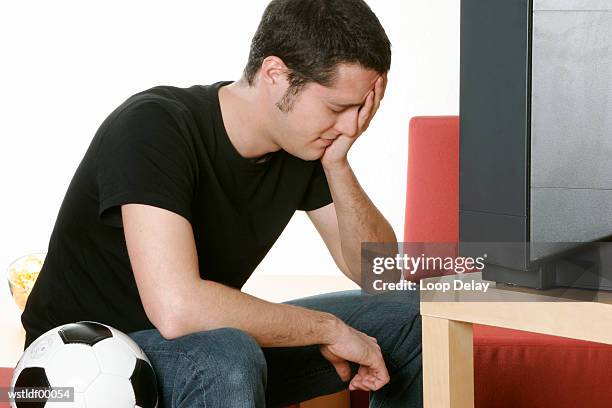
336, 153
358, 347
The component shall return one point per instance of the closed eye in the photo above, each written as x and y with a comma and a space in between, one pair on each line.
339, 108
336, 108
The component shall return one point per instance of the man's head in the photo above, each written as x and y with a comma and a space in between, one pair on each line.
316, 61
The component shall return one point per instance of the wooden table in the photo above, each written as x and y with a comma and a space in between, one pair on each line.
448, 364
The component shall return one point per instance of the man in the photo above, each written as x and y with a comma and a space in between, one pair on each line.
183, 191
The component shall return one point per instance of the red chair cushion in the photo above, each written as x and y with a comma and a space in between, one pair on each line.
520, 369
5, 380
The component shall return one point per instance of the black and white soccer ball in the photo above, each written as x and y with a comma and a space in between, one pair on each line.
105, 367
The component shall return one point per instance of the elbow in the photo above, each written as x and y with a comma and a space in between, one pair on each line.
177, 314
177, 320
170, 330
169, 321
170, 333
168, 326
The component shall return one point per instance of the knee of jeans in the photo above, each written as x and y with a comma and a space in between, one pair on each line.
237, 357
399, 333
407, 347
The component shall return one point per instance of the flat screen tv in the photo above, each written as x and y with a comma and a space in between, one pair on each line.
535, 176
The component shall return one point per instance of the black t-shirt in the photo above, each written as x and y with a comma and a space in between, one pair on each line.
166, 147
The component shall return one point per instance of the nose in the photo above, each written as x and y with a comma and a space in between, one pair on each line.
347, 122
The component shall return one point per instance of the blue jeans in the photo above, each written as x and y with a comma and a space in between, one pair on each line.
227, 368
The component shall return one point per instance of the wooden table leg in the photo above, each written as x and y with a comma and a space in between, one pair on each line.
448, 363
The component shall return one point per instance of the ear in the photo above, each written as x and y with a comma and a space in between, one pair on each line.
274, 71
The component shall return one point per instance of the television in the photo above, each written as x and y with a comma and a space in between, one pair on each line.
535, 166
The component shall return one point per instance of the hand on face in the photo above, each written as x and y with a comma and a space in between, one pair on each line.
336, 154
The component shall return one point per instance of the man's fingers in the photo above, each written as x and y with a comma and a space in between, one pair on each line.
343, 369
357, 384
341, 365
373, 382
378, 371
385, 79
366, 381
372, 104
380, 89
374, 376
365, 112
365, 350
379, 93
370, 383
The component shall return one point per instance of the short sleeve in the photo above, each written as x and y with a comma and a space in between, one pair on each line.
317, 194
145, 158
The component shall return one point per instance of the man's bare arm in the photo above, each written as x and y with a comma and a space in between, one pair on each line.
162, 252
350, 220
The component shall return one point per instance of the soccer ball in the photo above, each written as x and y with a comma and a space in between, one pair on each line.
105, 367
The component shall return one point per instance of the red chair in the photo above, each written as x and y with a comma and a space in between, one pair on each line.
5, 381
512, 368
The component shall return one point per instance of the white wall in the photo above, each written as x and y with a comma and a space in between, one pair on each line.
67, 64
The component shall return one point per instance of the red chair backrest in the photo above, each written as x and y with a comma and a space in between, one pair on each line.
432, 192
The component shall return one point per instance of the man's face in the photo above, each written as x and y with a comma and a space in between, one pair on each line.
319, 114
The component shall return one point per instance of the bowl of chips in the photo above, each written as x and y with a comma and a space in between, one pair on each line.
22, 274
